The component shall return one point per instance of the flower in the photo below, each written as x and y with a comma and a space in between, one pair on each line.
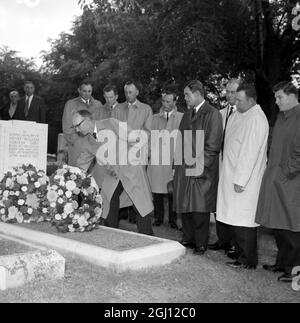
82, 221
19, 217
29, 211
45, 210
60, 192
22, 180
2, 211
6, 194
9, 183
71, 228
68, 209
12, 212
60, 201
37, 184
58, 217
76, 191
52, 196
68, 194
24, 189
21, 202
32, 201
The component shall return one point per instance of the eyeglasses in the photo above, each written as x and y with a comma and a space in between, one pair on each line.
79, 124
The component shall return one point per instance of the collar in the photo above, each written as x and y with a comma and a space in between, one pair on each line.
114, 105
85, 101
133, 105
29, 97
234, 109
197, 108
291, 112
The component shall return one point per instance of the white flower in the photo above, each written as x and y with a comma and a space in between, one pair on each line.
82, 221
53, 205
30, 211
68, 194
76, 191
68, 209
76, 217
45, 210
19, 217
9, 183
22, 180
24, 189
58, 217
70, 185
37, 184
12, 212
12, 193
62, 183
60, 192
99, 199
64, 216
54, 187
94, 184
17, 193
71, 228
60, 201
98, 211
21, 202
3, 218
6, 194
2, 211
73, 177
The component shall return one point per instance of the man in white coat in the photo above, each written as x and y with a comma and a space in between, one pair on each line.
244, 163
228, 114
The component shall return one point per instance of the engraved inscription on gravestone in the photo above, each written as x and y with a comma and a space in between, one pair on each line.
22, 143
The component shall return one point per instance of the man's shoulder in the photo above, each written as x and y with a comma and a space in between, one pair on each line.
144, 106
97, 103
73, 101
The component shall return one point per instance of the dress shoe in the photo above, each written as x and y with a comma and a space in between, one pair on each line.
215, 246
157, 223
232, 255
188, 245
287, 278
200, 251
273, 268
238, 265
173, 225
229, 249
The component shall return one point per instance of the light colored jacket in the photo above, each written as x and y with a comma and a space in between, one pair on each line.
161, 175
133, 178
73, 139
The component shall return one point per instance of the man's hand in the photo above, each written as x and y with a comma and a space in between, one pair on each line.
238, 188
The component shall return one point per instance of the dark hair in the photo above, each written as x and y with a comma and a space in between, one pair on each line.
249, 90
287, 88
29, 82
85, 114
170, 90
135, 83
111, 87
195, 86
85, 83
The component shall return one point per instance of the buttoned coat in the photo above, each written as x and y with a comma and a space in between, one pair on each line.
279, 200
199, 193
37, 110
244, 163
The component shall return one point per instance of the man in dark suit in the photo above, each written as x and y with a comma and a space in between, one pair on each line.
31, 107
195, 193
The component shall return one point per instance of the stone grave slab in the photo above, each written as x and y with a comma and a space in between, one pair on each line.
148, 252
22, 142
22, 262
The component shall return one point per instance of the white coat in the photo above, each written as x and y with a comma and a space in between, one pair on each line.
244, 163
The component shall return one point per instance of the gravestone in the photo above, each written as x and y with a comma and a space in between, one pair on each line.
22, 142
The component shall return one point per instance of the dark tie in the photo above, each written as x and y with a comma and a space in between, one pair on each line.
95, 135
229, 113
26, 110
194, 112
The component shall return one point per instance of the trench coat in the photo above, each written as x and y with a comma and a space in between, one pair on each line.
199, 193
73, 139
279, 200
244, 163
133, 178
160, 175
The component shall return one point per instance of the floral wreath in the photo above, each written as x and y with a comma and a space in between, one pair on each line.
73, 200
22, 192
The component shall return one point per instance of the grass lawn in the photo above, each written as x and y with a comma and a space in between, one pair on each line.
191, 279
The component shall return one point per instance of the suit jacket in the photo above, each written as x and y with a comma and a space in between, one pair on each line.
4, 113
133, 178
37, 110
199, 193
72, 138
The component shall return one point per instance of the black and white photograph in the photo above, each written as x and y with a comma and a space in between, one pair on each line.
149, 154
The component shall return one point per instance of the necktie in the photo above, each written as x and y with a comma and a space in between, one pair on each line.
95, 135
26, 110
194, 113
229, 113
